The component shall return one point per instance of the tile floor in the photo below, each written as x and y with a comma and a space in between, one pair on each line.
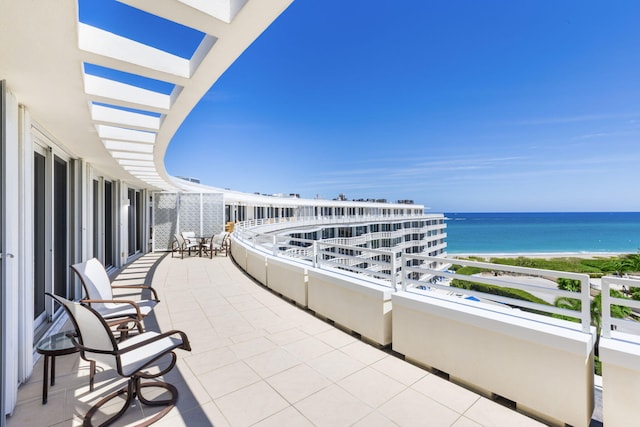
258, 360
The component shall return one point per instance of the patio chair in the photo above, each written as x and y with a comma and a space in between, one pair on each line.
96, 343
99, 295
217, 243
182, 244
191, 239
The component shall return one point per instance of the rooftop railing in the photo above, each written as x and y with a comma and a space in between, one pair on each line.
609, 322
305, 221
320, 254
432, 270
422, 273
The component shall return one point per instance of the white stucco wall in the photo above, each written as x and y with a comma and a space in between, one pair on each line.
545, 368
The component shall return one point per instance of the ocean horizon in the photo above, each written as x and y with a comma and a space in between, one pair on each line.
543, 232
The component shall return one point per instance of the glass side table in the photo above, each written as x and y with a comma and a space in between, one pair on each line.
50, 347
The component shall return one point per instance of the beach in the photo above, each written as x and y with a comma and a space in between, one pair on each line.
543, 255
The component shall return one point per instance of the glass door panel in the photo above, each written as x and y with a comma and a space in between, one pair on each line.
109, 229
96, 219
131, 217
60, 227
139, 218
39, 237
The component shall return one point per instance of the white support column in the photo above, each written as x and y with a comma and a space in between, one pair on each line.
84, 208
3, 322
201, 233
25, 255
10, 251
122, 206
79, 211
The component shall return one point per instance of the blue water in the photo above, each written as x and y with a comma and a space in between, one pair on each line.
543, 232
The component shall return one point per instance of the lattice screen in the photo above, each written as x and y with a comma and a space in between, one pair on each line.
165, 219
212, 214
189, 213
202, 213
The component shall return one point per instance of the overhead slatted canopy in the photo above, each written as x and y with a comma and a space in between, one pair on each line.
116, 95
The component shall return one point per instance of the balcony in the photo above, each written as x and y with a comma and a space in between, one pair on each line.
498, 346
260, 360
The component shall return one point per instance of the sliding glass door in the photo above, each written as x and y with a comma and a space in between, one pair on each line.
104, 218
39, 236
61, 227
97, 236
51, 226
109, 224
135, 221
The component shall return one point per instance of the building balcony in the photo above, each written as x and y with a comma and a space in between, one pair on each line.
257, 359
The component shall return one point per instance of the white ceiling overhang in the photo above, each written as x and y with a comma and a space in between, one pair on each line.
53, 64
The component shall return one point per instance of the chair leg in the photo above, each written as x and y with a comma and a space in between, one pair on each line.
170, 387
128, 390
124, 331
92, 373
132, 390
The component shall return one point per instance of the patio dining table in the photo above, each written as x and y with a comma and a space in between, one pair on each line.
202, 242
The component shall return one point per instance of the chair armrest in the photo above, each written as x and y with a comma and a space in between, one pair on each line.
183, 337
153, 291
122, 321
116, 301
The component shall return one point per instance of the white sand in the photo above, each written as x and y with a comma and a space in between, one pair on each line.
545, 255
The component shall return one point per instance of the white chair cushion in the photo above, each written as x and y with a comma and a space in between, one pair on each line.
135, 360
114, 310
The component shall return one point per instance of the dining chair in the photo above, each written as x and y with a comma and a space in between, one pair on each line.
217, 243
182, 244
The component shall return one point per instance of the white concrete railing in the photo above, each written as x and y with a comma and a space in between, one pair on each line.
382, 264
352, 301
610, 323
619, 350
320, 254
495, 344
439, 268
531, 359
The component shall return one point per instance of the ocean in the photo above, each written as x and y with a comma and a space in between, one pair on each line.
557, 232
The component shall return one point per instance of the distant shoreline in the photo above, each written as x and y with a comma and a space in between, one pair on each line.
545, 255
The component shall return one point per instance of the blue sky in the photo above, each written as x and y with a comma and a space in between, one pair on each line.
459, 105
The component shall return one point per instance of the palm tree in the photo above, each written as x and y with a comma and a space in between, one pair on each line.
617, 311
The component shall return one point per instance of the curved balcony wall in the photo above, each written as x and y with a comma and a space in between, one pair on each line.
481, 342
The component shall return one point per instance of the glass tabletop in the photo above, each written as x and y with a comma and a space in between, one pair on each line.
56, 342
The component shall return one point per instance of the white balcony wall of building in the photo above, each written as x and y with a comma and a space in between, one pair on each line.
352, 303
257, 266
531, 360
288, 279
46, 111
533, 363
10, 246
620, 356
74, 181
